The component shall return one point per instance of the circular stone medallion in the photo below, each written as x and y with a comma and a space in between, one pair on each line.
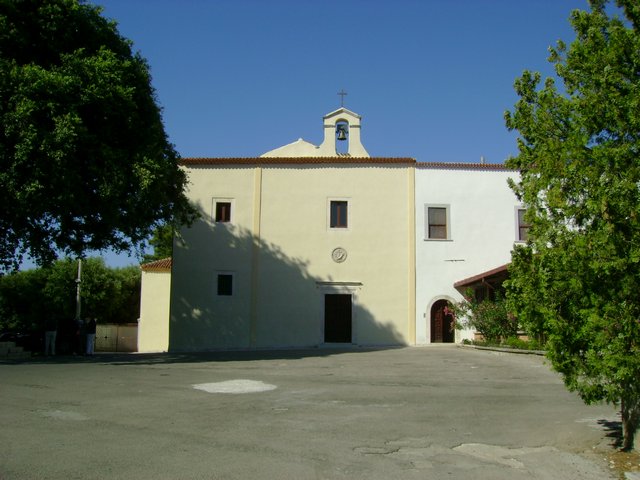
339, 255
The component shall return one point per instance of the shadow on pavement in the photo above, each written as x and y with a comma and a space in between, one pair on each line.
613, 430
199, 357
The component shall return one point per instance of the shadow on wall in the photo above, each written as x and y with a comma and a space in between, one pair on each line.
274, 302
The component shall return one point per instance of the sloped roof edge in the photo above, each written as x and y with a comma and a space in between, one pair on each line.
484, 275
342, 110
162, 265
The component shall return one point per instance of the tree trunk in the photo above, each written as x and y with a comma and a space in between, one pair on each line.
630, 410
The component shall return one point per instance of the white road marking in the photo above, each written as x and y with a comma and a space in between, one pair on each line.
235, 386
61, 415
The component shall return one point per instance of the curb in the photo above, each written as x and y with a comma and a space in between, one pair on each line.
505, 350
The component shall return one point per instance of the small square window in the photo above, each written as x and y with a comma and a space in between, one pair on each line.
225, 284
523, 226
437, 223
223, 212
338, 214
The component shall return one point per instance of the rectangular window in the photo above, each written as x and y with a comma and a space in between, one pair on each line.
338, 214
437, 220
523, 226
225, 284
223, 212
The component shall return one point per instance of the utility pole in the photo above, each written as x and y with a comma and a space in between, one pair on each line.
78, 281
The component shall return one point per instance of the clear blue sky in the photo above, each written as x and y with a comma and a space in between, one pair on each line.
431, 78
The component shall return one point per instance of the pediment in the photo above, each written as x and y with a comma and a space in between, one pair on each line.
342, 112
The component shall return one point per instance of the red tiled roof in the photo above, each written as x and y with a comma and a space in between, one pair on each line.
163, 265
481, 276
295, 160
464, 166
215, 161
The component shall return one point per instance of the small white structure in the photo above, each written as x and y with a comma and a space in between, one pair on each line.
153, 327
466, 223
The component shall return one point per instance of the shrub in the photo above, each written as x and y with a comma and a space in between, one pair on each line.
490, 318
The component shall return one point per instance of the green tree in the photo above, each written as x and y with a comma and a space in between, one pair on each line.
127, 308
22, 306
162, 243
579, 148
111, 295
85, 163
28, 297
98, 292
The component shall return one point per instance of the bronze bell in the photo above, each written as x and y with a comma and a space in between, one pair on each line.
341, 130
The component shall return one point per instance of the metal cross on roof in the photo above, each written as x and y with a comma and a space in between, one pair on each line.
342, 93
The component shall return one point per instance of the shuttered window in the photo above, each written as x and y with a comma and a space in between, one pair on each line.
523, 226
437, 222
223, 212
338, 214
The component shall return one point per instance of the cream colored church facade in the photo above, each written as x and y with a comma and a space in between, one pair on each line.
304, 247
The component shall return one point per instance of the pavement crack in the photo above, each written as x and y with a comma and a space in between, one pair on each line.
376, 450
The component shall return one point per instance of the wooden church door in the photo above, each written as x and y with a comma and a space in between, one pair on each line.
442, 326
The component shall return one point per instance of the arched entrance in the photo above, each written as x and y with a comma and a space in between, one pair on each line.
442, 324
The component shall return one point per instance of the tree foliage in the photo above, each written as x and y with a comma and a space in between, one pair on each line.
85, 163
22, 307
162, 243
28, 298
579, 157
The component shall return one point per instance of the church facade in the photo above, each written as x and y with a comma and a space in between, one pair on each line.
304, 246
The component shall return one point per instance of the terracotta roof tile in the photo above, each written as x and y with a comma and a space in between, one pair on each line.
205, 161
163, 265
463, 166
218, 161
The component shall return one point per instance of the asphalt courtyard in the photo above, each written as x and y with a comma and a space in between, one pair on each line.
440, 412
